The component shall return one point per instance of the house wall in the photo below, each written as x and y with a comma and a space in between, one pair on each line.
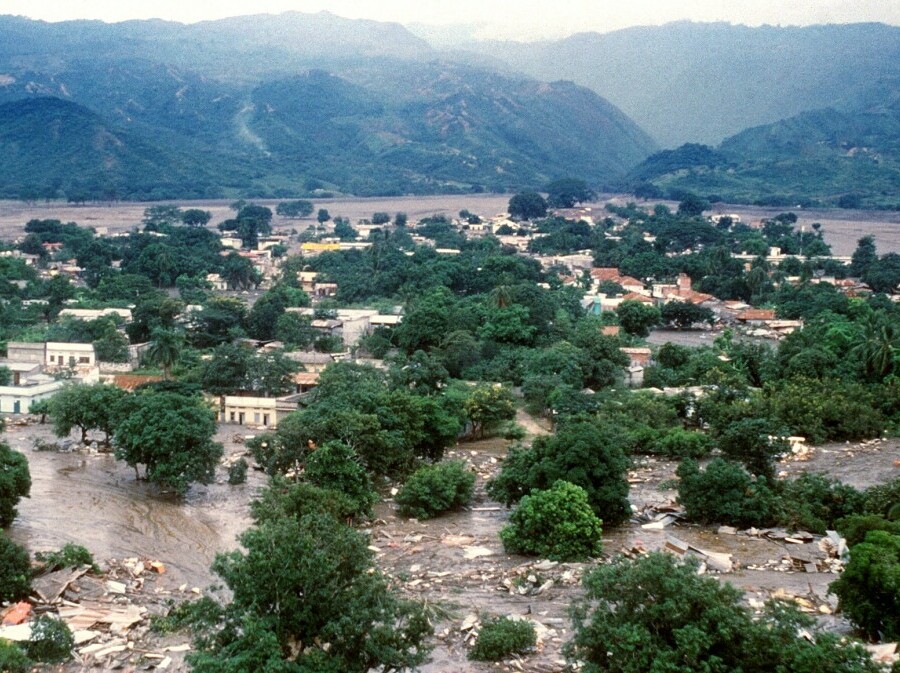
252, 411
25, 352
18, 400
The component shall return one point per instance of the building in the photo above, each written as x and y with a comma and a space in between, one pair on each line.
262, 412
93, 314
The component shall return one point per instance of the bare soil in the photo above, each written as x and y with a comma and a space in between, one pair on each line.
842, 228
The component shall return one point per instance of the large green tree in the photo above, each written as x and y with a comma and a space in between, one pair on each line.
306, 597
527, 206
87, 407
171, 435
582, 453
568, 192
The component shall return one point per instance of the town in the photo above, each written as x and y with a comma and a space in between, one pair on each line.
430, 374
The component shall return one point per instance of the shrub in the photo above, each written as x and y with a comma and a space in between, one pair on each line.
203, 613
558, 524
814, 502
656, 614
855, 527
680, 443
512, 431
869, 587
884, 499
287, 499
750, 442
51, 640
581, 452
237, 472
502, 637
70, 556
336, 466
724, 493
15, 570
434, 489
13, 659
15, 482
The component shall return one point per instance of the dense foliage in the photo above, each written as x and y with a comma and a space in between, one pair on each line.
501, 637
869, 587
582, 453
654, 614
434, 489
15, 482
15, 570
557, 523
305, 597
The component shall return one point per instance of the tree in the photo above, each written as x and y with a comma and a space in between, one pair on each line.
86, 407
323, 216
883, 275
527, 206
692, 205
194, 217
15, 483
171, 435
164, 350
487, 406
294, 209
684, 314
400, 219
344, 231
336, 466
158, 218
863, 257
557, 524
305, 591
239, 273
381, 218
567, 192
656, 614
752, 442
637, 318
581, 453
869, 587
724, 493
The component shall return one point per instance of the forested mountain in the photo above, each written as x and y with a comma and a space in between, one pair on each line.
828, 157
693, 82
269, 106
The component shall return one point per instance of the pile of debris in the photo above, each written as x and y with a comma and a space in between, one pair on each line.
108, 613
804, 554
709, 560
657, 517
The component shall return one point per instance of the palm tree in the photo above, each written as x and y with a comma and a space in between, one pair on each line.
879, 348
165, 349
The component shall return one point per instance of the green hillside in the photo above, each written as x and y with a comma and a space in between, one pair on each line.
50, 147
265, 105
821, 157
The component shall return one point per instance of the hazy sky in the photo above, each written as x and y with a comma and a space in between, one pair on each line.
524, 19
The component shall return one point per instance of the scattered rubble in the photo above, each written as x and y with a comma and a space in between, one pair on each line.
108, 613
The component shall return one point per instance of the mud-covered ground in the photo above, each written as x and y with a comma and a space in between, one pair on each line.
454, 563
841, 228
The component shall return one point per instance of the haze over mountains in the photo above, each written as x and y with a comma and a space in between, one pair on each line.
285, 105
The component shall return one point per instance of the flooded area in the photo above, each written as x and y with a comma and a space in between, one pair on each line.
455, 563
841, 228
93, 500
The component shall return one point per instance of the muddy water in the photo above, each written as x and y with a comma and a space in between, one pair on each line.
93, 500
